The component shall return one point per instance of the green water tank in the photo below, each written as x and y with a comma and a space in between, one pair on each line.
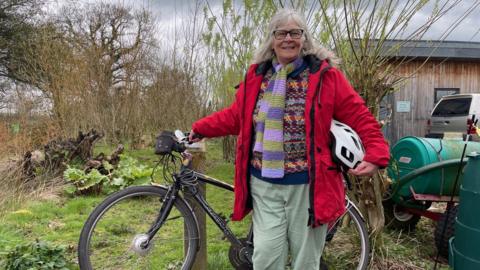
463, 249
411, 153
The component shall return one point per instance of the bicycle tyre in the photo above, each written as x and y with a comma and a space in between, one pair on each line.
348, 246
121, 224
445, 225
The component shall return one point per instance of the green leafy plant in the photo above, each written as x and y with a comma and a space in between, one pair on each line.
37, 255
128, 172
83, 181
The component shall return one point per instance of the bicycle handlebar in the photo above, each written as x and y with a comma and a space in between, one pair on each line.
168, 142
196, 136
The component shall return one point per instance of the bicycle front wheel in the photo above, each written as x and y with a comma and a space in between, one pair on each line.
113, 236
347, 245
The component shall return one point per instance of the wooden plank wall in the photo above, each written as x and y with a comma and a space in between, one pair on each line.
419, 90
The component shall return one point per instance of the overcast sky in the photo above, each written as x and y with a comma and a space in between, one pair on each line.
171, 12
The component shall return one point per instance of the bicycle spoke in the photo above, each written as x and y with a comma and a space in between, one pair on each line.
117, 240
348, 248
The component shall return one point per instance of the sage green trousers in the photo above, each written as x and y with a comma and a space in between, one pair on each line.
280, 216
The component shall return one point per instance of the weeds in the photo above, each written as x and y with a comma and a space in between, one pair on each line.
37, 255
21, 133
15, 188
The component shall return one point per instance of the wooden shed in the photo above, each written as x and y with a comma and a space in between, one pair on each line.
452, 67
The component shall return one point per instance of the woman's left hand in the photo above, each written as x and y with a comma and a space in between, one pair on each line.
365, 168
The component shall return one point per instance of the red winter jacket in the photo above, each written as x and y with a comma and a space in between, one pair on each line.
329, 95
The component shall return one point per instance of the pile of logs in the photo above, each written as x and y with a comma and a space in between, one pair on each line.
57, 153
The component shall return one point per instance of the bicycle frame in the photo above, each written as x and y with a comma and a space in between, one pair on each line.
349, 204
192, 191
219, 221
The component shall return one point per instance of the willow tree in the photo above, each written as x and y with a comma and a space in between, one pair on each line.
231, 37
358, 31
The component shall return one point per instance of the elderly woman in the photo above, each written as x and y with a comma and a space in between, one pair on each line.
283, 171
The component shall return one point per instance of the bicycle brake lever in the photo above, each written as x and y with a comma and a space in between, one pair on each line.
180, 136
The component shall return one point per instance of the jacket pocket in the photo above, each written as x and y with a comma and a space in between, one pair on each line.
329, 189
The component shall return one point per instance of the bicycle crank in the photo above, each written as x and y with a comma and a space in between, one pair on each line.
140, 244
241, 256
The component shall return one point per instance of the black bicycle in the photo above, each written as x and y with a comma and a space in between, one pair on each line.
154, 227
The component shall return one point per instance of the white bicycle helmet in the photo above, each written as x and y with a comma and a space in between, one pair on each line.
347, 148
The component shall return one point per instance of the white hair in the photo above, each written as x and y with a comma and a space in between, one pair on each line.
310, 46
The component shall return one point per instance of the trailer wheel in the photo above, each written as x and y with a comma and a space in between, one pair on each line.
448, 220
398, 219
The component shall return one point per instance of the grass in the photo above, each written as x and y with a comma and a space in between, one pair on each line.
59, 219
58, 222
414, 250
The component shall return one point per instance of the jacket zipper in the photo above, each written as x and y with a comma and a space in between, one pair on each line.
311, 210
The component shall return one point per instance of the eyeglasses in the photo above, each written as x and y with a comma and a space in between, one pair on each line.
282, 34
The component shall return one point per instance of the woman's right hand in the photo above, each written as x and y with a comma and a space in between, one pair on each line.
193, 137
365, 168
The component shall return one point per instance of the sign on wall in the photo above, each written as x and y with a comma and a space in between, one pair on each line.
403, 106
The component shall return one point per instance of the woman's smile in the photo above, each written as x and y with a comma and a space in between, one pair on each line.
287, 49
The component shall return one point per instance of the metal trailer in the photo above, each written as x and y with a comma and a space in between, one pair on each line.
423, 171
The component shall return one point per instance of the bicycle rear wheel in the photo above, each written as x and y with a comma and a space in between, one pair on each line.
347, 245
113, 234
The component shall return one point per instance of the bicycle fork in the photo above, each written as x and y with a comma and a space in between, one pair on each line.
168, 200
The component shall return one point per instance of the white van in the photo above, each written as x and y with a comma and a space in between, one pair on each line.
452, 114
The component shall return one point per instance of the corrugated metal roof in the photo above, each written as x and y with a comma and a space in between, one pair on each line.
453, 50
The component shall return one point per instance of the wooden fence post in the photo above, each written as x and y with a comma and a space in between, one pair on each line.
198, 164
